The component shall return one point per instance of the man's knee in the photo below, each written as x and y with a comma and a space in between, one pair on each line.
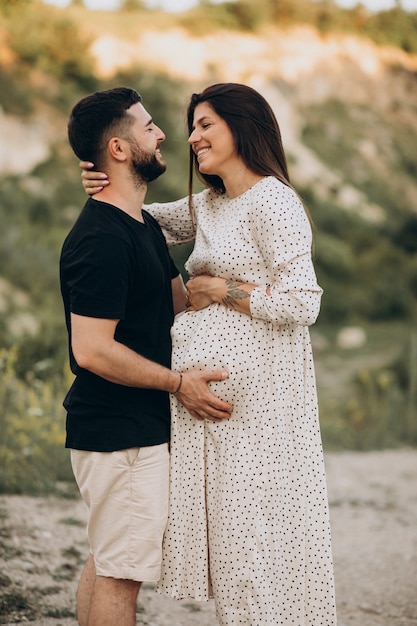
113, 602
118, 586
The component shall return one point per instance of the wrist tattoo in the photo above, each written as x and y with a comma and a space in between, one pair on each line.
234, 293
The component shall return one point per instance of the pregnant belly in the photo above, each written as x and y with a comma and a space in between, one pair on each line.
220, 338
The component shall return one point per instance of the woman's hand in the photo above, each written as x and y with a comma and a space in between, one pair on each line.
203, 290
92, 181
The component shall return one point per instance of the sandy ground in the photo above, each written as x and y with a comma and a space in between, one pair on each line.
373, 504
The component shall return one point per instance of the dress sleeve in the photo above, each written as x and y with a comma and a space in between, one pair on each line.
284, 237
175, 220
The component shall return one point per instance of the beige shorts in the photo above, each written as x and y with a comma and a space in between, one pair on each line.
126, 493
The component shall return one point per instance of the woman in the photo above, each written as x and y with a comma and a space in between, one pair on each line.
248, 522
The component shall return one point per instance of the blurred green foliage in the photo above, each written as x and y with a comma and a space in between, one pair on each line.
381, 409
15, 96
241, 16
394, 26
32, 455
7, 6
132, 5
366, 265
45, 38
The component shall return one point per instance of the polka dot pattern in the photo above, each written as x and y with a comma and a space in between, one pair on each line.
248, 522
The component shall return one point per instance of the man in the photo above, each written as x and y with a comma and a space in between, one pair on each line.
118, 284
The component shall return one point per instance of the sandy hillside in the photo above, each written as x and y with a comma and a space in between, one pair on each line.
373, 498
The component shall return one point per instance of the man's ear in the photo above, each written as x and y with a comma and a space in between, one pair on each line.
117, 148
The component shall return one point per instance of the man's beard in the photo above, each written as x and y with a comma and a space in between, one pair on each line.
145, 166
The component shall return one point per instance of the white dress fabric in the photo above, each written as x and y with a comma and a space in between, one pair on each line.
248, 516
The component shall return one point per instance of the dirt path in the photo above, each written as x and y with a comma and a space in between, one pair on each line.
373, 504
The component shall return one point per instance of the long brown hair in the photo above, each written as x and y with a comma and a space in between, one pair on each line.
254, 127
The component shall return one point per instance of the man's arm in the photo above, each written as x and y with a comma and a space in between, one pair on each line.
95, 349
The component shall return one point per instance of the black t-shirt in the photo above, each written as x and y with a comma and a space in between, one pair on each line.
115, 267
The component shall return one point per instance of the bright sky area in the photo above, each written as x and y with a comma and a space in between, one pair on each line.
182, 5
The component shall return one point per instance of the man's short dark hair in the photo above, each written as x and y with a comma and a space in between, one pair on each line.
98, 117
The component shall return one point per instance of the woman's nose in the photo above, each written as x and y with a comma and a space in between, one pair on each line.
193, 137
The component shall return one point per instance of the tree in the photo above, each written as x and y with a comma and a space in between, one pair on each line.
132, 5
7, 6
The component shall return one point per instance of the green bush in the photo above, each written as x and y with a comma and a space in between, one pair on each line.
381, 410
7, 6
15, 98
46, 38
33, 459
394, 27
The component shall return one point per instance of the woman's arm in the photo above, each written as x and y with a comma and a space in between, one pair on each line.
283, 235
175, 220
173, 217
273, 303
204, 290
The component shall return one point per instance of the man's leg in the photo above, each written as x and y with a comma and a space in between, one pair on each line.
85, 591
105, 601
113, 602
120, 488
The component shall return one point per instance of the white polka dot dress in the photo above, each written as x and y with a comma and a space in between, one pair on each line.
248, 522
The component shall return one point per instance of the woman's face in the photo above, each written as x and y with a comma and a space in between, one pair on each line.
212, 141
